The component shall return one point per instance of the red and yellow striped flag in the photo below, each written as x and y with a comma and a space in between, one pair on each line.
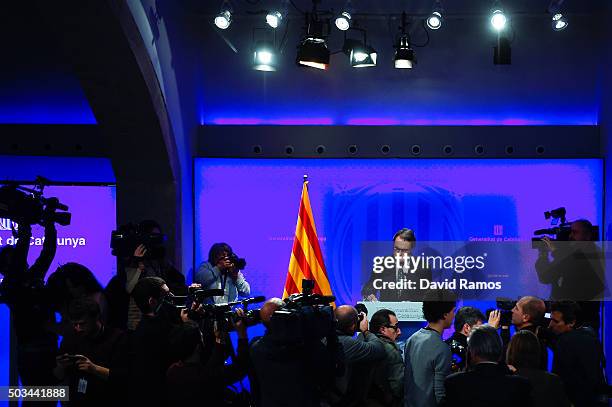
306, 258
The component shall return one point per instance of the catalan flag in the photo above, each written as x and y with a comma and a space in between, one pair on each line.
306, 258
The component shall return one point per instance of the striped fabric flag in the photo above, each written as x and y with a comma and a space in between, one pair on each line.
306, 258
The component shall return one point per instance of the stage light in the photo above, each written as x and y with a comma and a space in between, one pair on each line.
405, 57
559, 22
264, 57
498, 19
363, 56
313, 52
343, 21
360, 55
224, 18
435, 19
274, 18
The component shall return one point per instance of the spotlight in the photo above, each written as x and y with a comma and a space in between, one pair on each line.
343, 21
405, 57
264, 57
274, 18
498, 19
360, 54
313, 52
559, 22
434, 21
224, 18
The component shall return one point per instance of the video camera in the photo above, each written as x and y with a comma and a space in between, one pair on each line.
28, 205
305, 317
560, 228
127, 238
506, 305
222, 314
238, 262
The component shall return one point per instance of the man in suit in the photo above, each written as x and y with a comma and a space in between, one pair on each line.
487, 382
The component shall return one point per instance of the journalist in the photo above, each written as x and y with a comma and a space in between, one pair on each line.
222, 271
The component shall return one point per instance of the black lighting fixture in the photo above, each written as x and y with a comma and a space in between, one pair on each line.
224, 18
361, 55
312, 50
559, 20
265, 55
405, 57
436, 18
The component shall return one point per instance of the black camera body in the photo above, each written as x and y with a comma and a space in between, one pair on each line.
238, 262
25, 205
305, 317
505, 306
127, 238
222, 314
560, 229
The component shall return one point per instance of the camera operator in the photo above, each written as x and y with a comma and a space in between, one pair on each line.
222, 271
528, 314
361, 353
150, 350
466, 318
23, 290
578, 356
575, 272
88, 355
193, 378
288, 373
144, 261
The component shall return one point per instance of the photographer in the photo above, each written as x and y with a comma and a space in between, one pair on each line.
466, 318
150, 350
288, 372
88, 355
575, 271
138, 260
222, 271
23, 290
193, 377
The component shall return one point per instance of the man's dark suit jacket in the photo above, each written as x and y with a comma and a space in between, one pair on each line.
487, 384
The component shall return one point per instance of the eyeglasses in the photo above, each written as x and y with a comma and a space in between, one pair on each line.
394, 327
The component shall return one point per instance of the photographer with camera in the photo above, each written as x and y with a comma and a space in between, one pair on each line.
466, 318
141, 252
361, 354
23, 290
150, 349
222, 271
201, 371
290, 365
88, 356
574, 270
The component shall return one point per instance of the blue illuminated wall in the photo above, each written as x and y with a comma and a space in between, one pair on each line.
252, 205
